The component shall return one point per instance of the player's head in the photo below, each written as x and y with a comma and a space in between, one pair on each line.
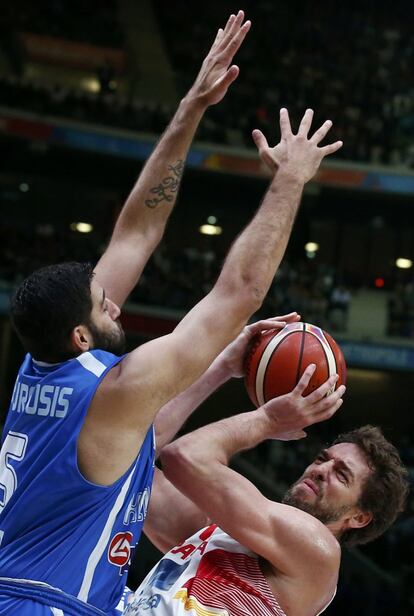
60, 311
357, 486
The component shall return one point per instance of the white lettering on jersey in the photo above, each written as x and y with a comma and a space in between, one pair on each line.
23, 395
138, 507
45, 400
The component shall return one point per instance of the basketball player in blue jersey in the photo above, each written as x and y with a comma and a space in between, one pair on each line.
78, 446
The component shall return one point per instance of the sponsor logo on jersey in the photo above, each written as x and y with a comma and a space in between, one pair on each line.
143, 603
119, 550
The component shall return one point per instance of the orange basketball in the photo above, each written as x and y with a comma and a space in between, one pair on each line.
276, 360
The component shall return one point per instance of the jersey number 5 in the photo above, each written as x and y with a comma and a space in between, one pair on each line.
14, 448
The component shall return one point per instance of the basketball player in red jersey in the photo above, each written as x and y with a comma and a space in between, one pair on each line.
256, 556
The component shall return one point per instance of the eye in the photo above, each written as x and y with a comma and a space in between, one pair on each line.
342, 477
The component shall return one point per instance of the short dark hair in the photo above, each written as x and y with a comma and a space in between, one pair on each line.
48, 304
385, 490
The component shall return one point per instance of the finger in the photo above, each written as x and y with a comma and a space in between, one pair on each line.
291, 436
321, 132
273, 321
285, 128
299, 435
217, 40
328, 412
293, 317
296, 436
229, 23
229, 76
263, 149
265, 325
286, 317
260, 140
305, 379
306, 123
331, 148
323, 405
232, 26
222, 34
236, 23
234, 43
323, 390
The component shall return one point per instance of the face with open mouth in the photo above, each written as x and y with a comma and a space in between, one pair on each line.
330, 487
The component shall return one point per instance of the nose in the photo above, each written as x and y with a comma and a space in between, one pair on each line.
114, 310
321, 471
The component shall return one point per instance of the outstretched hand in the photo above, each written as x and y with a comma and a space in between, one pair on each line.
291, 413
297, 155
232, 358
216, 74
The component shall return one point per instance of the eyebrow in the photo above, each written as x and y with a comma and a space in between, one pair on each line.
343, 465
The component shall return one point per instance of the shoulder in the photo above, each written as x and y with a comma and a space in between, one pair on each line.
97, 361
308, 543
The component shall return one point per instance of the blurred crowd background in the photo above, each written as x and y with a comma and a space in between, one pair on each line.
109, 71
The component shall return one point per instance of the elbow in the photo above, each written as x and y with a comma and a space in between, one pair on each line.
247, 295
179, 464
254, 295
174, 461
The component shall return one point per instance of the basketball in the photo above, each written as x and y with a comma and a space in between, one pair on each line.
276, 359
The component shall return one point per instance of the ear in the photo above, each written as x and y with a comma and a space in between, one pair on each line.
359, 519
81, 339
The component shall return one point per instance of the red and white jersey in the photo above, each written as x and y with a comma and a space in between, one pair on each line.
209, 574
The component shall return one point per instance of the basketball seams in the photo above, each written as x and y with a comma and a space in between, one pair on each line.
338, 364
330, 356
302, 347
265, 361
263, 382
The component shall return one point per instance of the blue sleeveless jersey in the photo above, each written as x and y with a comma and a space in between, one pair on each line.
55, 526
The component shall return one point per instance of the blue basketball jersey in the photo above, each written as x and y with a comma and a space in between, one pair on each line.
55, 526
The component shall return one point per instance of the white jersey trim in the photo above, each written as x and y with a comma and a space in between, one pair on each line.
100, 547
89, 362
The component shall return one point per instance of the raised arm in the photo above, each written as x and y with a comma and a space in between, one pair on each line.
241, 287
229, 364
133, 392
142, 221
197, 464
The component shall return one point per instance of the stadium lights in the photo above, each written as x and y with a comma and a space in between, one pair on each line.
91, 84
24, 187
81, 227
211, 220
210, 229
403, 263
311, 247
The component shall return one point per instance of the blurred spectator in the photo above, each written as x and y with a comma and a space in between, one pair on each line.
363, 84
339, 307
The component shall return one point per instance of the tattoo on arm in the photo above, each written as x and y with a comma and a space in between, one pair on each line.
167, 190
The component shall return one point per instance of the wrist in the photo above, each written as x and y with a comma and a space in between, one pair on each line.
192, 106
220, 370
253, 428
288, 178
